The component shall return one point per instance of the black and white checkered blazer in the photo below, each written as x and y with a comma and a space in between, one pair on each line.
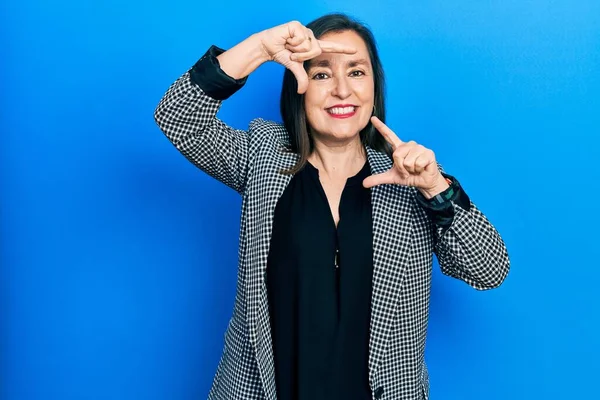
404, 241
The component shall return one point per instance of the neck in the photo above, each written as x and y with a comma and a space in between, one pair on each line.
338, 160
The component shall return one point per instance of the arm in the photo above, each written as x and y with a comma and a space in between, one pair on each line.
187, 114
467, 245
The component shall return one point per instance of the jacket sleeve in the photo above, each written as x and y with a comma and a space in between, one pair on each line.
471, 249
467, 245
187, 116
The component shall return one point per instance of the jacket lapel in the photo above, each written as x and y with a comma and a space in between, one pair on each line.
392, 208
261, 201
392, 235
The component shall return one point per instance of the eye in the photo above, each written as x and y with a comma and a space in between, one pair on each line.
320, 76
357, 73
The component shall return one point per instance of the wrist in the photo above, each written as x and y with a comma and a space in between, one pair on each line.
258, 40
440, 185
242, 59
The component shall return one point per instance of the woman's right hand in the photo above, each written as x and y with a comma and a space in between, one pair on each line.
292, 43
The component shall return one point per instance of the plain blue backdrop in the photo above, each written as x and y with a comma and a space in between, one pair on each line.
118, 257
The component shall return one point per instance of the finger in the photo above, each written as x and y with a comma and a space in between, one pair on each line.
411, 158
296, 38
432, 166
307, 50
301, 57
303, 47
379, 179
409, 163
399, 155
296, 33
419, 163
386, 132
424, 160
334, 47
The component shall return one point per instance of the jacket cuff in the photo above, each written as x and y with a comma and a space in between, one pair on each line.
440, 208
209, 76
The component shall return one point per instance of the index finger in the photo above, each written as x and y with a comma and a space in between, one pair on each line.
334, 47
386, 132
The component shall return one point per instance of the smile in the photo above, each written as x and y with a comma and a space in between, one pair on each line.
342, 112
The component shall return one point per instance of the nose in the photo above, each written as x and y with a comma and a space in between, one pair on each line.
342, 88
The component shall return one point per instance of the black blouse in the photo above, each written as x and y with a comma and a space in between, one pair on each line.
319, 287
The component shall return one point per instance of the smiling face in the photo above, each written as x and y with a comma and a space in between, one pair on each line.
341, 90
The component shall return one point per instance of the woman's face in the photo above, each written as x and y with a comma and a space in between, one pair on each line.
341, 90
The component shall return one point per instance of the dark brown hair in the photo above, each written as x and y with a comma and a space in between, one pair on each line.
292, 104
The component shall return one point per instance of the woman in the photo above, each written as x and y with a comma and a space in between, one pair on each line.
340, 220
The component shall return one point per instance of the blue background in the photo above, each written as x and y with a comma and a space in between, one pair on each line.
119, 257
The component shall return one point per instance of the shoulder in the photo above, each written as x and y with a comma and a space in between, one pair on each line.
262, 129
378, 161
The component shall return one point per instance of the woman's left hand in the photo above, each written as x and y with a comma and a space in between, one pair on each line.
414, 165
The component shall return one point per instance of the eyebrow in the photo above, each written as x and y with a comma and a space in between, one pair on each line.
327, 64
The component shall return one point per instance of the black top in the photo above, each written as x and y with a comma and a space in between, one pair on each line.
319, 287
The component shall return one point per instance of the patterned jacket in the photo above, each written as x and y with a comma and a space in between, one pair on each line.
404, 241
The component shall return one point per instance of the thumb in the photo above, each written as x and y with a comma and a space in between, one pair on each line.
379, 179
297, 69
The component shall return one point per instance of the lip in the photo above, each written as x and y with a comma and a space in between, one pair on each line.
342, 116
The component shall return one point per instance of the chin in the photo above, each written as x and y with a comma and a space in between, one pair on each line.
349, 131
345, 135
340, 131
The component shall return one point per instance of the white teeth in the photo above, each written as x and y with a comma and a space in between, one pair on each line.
341, 110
